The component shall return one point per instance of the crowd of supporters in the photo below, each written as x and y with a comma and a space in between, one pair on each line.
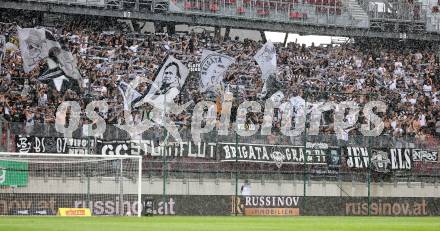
405, 78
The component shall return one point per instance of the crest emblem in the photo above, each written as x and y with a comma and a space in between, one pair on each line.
380, 161
278, 157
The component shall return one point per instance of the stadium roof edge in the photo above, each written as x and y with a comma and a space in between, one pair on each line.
205, 20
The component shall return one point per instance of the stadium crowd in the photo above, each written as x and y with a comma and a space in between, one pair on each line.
406, 79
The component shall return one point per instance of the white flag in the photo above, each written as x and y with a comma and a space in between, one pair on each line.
2, 49
266, 58
213, 68
128, 94
34, 46
68, 65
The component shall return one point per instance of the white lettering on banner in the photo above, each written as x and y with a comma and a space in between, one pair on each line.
400, 158
278, 154
357, 157
271, 201
228, 152
116, 150
26, 144
61, 146
39, 145
381, 161
424, 155
112, 207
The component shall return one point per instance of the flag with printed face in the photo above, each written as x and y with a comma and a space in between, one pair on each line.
167, 85
266, 58
171, 75
34, 46
213, 67
37, 44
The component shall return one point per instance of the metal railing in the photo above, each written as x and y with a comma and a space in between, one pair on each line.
397, 11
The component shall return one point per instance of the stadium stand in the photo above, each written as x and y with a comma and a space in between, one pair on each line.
109, 52
405, 78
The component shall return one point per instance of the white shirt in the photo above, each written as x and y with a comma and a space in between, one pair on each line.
422, 120
246, 190
394, 124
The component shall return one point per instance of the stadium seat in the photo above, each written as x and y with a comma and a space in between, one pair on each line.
213, 8
295, 15
263, 12
187, 5
283, 6
338, 11
331, 10
241, 10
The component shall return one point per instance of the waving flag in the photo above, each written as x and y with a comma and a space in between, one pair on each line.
213, 68
129, 94
266, 58
167, 85
34, 46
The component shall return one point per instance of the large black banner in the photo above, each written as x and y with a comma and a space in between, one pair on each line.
54, 145
225, 152
106, 204
382, 160
387, 159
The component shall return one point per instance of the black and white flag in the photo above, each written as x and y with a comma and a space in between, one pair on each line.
129, 94
68, 65
270, 87
167, 85
2, 49
213, 68
35, 45
56, 78
266, 58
